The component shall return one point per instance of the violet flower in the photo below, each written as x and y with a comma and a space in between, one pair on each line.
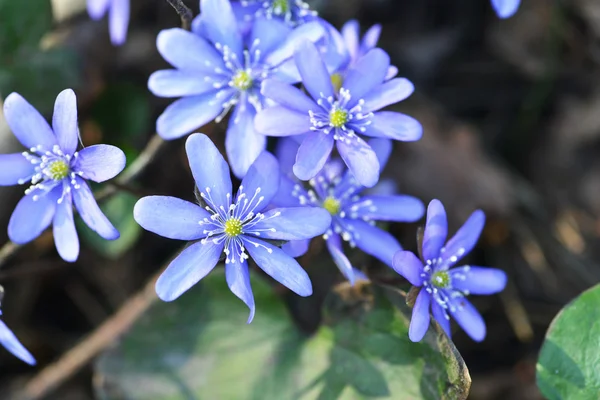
506, 8
10, 342
292, 12
443, 287
218, 69
232, 224
353, 212
57, 173
118, 17
341, 116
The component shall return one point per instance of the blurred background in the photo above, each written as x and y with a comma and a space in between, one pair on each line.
511, 116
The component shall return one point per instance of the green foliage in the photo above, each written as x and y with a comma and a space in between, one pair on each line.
198, 347
569, 363
38, 75
119, 210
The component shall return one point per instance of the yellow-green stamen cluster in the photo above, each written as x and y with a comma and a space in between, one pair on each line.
440, 279
281, 7
332, 205
337, 81
338, 117
233, 227
58, 170
242, 80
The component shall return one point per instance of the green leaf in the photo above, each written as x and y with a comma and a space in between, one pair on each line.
23, 23
569, 362
119, 210
199, 347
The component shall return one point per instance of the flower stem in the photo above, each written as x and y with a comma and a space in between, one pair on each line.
184, 12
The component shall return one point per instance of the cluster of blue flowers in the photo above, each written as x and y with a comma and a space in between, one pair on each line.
247, 57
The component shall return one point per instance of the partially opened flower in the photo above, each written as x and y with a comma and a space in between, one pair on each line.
217, 68
118, 17
10, 342
506, 8
341, 116
292, 12
57, 173
353, 212
444, 287
234, 224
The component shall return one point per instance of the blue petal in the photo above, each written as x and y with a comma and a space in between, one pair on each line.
312, 154
97, 8
361, 160
209, 169
101, 162
261, 180
281, 121
64, 121
419, 323
366, 74
280, 266
91, 213
221, 26
189, 113
315, 78
296, 248
383, 149
436, 230
463, 240
309, 32
334, 245
370, 38
186, 51
180, 83
373, 240
391, 72
478, 280
468, 318
238, 280
442, 318
191, 265
506, 8
390, 92
242, 143
294, 223
118, 20
286, 151
30, 218
14, 168
334, 50
351, 34
409, 266
170, 217
397, 208
289, 194
288, 96
27, 124
394, 125
267, 34
65, 235
12, 344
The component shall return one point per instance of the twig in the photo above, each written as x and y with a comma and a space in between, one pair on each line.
184, 12
130, 173
58, 372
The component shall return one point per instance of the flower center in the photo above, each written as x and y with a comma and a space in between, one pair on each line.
440, 279
233, 227
242, 80
281, 7
58, 170
332, 205
338, 117
337, 80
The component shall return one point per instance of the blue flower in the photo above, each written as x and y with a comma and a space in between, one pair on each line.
444, 287
218, 69
57, 173
353, 212
118, 17
292, 12
338, 116
506, 8
10, 341
234, 225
